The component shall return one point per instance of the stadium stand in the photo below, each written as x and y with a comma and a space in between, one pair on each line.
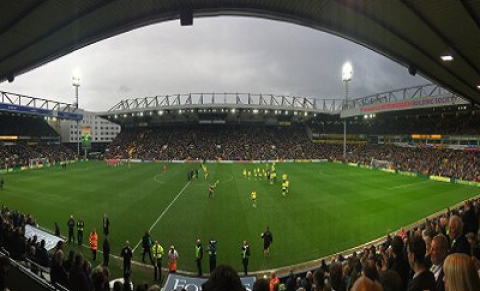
382, 266
24, 138
408, 122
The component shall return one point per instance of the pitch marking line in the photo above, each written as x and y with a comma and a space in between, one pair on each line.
155, 178
164, 211
229, 179
408, 185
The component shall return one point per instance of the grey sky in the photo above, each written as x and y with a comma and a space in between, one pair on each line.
221, 54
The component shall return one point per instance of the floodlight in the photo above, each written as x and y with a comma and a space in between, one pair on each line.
447, 58
255, 111
76, 77
347, 71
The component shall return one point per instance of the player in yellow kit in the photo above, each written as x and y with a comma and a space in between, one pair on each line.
245, 173
253, 196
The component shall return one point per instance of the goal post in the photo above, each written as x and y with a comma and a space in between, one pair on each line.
381, 164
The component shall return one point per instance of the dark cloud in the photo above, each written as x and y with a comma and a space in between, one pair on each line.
222, 54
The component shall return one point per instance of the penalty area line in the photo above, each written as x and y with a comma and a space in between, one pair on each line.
163, 213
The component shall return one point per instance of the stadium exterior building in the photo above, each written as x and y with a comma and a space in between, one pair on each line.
102, 131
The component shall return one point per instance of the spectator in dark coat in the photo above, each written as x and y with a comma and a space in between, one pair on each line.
458, 241
58, 274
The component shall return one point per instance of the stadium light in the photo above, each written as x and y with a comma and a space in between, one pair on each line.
347, 73
447, 58
233, 110
478, 86
76, 84
255, 111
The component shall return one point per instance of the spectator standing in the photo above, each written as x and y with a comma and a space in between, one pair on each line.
422, 279
212, 253
80, 226
106, 251
460, 273
439, 253
71, 225
94, 244
172, 259
267, 241
157, 252
245, 256
105, 224
127, 255
199, 256
458, 242
147, 245
274, 281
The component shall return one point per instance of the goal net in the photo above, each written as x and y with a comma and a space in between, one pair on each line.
38, 162
381, 164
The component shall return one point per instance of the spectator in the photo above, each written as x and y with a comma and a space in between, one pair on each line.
460, 273
458, 241
422, 279
223, 278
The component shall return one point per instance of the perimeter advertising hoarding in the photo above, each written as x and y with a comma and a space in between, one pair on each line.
50, 240
179, 282
415, 103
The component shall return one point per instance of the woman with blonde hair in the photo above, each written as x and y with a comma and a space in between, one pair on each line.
460, 273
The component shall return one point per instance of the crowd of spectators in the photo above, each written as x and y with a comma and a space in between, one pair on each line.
264, 143
19, 155
213, 142
408, 122
25, 125
73, 271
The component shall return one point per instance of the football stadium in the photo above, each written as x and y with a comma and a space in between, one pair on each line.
245, 191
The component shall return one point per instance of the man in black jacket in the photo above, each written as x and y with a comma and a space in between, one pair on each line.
127, 255
267, 241
458, 242
422, 279
71, 225
439, 253
245, 256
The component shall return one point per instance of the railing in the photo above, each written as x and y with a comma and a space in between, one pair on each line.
34, 102
228, 100
427, 90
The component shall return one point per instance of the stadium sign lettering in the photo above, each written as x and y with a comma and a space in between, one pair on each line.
467, 183
433, 101
410, 174
179, 282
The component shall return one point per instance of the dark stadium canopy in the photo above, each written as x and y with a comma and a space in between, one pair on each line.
411, 32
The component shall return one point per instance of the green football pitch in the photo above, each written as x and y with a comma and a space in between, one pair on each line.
330, 207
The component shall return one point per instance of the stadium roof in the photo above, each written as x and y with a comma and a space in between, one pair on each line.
414, 33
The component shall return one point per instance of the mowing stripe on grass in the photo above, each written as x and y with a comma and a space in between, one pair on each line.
164, 211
